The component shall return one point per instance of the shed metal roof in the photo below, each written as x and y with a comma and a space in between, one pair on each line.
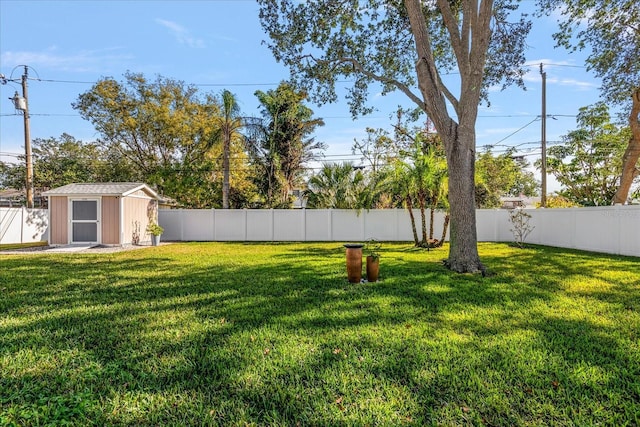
100, 189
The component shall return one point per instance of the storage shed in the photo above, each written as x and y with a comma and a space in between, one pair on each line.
113, 213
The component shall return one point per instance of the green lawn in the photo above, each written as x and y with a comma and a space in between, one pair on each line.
272, 334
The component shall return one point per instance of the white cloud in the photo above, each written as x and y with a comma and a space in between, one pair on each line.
181, 34
81, 61
552, 68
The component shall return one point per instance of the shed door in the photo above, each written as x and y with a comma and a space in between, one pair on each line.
84, 221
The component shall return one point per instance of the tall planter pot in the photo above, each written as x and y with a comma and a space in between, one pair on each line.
373, 268
354, 262
155, 240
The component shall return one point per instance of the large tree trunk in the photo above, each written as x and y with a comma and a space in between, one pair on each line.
631, 154
463, 248
470, 42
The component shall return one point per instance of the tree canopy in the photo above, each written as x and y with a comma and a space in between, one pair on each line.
65, 160
500, 175
409, 46
610, 28
589, 162
172, 135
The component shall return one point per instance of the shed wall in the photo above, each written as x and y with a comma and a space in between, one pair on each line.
136, 218
110, 220
58, 229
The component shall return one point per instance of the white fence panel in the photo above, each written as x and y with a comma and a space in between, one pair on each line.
593, 230
380, 224
230, 225
628, 229
260, 225
198, 226
288, 225
347, 225
318, 225
171, 221
22, 225
553, 227
609, 229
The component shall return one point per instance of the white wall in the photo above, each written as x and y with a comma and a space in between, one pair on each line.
609, 229
22, 225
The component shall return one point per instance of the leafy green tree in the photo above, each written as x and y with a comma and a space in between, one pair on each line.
153, 124
502, 175
589, 161
610, 28
284, 144
555, 202
379, 151
168, 132
12, 175
409, 46
65, 160
336, 186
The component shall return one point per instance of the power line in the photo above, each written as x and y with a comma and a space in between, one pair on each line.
516, 131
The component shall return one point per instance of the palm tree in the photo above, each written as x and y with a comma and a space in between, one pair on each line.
401, 183
336, 186
227, 129
286, 143
421, 178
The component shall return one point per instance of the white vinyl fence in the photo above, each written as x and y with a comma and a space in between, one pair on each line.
609, 229
22, 225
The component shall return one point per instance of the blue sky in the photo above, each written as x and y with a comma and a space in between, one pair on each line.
217, 45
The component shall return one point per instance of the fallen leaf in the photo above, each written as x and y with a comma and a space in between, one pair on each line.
336, 351
555, 384
266, 351
465, 409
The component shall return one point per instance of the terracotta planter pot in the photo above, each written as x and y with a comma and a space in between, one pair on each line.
354, 262
373, 269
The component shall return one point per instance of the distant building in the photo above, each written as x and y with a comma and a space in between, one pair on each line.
521, 201
12, 198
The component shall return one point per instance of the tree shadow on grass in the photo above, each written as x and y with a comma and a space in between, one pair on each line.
285, 339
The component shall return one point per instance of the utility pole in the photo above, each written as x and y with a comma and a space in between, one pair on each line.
22, 103
543, 162
27, 139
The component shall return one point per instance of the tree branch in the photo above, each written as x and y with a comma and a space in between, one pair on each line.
428, 77
451, 24
360, 69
